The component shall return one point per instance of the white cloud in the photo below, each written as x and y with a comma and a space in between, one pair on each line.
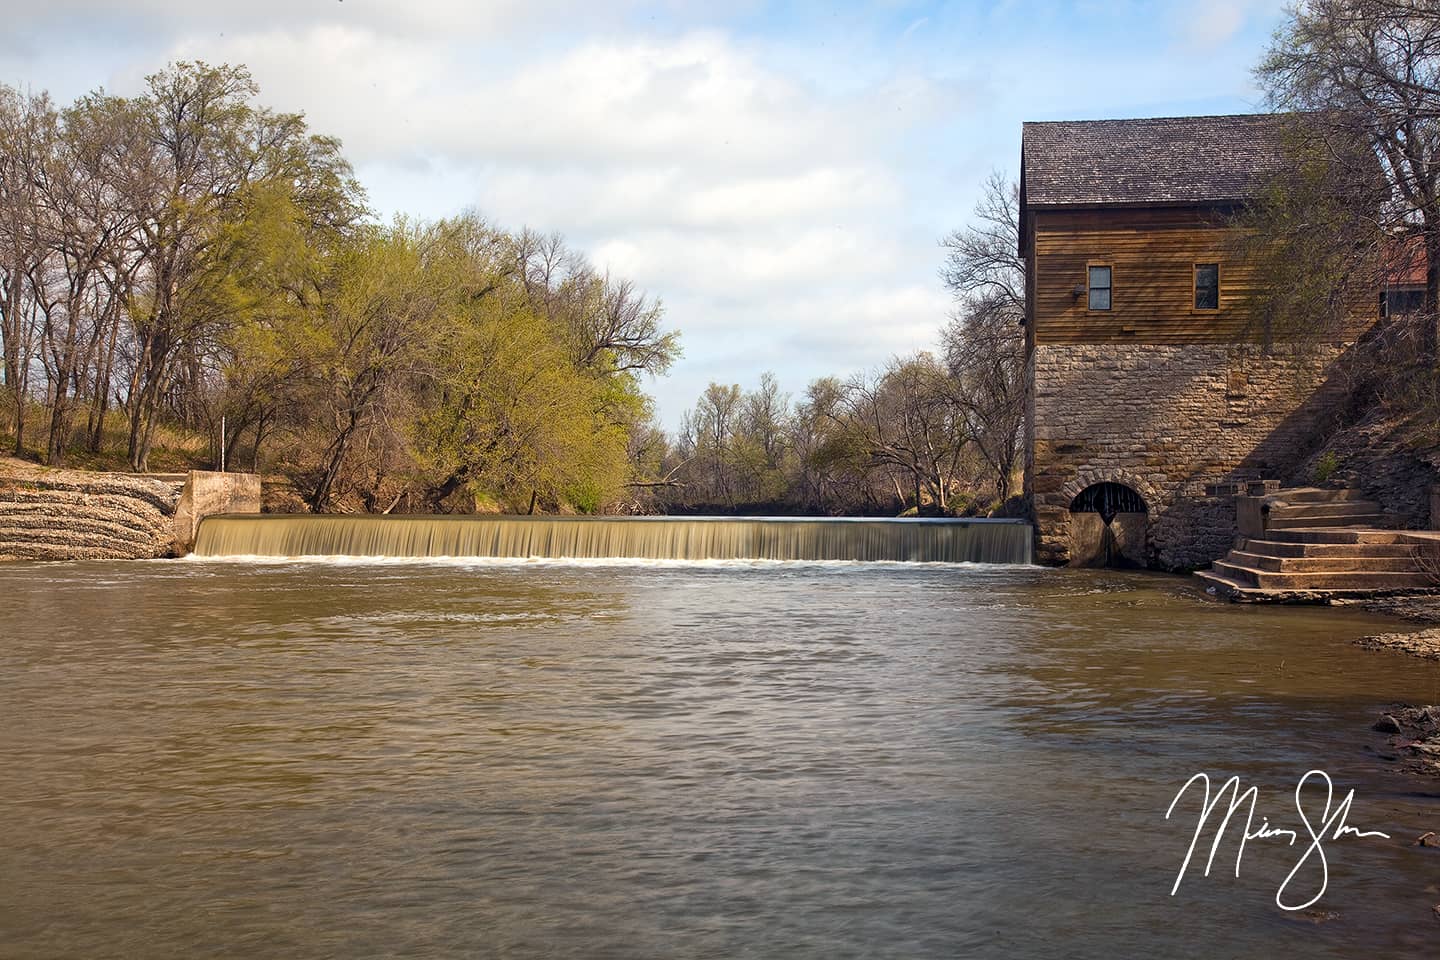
780, 185
1207, 24
763, 211
436, 19
695, 100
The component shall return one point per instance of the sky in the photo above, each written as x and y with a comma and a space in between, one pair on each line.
778, 174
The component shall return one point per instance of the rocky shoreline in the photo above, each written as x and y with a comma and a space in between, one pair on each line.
1413, 738
1417, 608
77, 515
1424, 644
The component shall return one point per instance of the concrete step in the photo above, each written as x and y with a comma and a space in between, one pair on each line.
1339, 508
1326, 520
1257, 561
1226, 588
1322, 581
1278, 548
1316, 495
1333, 535
1223, 586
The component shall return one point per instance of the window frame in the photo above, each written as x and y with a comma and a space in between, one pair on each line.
1195, 285
1411, 301
1108, 265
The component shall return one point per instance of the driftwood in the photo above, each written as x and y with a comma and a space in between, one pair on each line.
668, 480
656, 483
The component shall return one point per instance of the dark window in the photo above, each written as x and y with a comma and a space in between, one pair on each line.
1393, 303
1099, 288
1207, 286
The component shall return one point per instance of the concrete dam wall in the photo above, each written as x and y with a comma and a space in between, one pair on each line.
654, 538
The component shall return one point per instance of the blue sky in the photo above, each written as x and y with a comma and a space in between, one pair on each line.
779, 174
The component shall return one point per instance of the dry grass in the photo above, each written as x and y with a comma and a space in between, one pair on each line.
174, 450
1427, 560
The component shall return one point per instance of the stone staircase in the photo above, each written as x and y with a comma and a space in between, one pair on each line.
1310, 507
1319, 545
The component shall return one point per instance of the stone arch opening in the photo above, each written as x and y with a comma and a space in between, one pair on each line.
1109, 526
1108, 499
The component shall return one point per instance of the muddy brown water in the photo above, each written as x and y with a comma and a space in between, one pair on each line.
581, 760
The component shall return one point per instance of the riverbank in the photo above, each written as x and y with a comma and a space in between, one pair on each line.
1413, 738
1423, 609
49, 514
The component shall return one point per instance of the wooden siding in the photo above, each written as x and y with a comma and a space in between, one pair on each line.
1152, 253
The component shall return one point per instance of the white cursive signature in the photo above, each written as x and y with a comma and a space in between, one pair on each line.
1331, 826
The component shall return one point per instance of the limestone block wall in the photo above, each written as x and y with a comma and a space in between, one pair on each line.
1165, 420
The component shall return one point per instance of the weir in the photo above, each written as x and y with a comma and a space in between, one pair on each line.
654, 538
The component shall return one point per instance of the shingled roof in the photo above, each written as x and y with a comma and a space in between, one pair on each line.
1165, 160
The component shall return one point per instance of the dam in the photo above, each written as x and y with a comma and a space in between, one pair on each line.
919, 540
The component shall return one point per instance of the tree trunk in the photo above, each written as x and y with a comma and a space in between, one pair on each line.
435, 496
55, 441
1432, 291
334, 460
101, 406
261, 426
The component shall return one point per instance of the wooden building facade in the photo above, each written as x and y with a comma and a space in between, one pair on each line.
1145, 387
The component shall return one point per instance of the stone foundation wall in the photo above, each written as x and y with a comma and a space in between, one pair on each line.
1165, 420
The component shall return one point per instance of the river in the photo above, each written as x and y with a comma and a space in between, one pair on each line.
679, 760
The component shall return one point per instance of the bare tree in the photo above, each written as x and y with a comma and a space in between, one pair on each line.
83, 227
1367, 72
28, 125
982, 258
707, 435
619, 328
985, 353
612, 326
984, 342
904, 418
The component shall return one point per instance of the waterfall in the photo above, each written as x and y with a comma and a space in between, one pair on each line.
658, 538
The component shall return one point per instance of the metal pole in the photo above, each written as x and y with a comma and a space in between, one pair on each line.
222, 443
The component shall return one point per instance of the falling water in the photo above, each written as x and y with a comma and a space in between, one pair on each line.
657, 538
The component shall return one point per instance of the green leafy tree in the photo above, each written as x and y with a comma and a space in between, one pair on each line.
208, 146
